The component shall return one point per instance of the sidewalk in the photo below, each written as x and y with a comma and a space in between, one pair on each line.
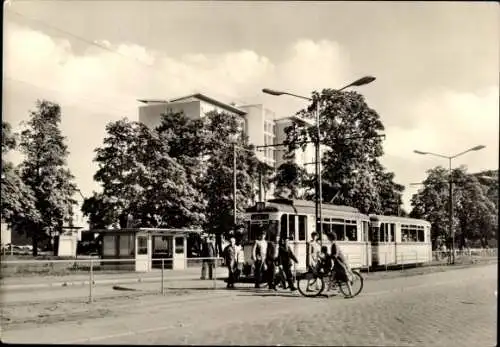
9, 283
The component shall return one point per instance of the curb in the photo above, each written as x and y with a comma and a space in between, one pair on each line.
118, 281
95, 283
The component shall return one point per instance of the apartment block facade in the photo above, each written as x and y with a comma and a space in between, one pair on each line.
257, 122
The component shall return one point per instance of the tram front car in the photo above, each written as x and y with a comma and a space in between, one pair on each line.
260, 218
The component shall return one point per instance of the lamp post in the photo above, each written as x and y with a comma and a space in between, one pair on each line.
450, 195
319, 188
236, 147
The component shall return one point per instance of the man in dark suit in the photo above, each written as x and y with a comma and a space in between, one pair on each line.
208, 251
271, 258
286, 257
230, 258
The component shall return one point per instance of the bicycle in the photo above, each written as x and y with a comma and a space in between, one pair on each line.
316, 281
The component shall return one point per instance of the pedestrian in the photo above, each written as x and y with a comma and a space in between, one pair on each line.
271, 259
314, 251
286, 260
230, 256
339, 260
240, 259
259, 252
208, 254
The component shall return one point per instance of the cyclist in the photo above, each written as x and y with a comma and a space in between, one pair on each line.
338, 258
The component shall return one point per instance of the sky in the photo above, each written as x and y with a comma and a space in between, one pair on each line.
436, 64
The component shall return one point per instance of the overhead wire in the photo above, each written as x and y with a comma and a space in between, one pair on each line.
158, 74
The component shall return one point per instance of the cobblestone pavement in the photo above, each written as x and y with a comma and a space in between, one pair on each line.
453, 308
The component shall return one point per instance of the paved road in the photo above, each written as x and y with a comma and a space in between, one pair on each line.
454, 308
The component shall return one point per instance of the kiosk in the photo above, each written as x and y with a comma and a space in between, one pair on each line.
67, 241
143, 245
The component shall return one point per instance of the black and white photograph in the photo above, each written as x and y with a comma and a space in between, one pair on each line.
277, 173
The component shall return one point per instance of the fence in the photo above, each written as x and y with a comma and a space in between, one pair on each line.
24, 280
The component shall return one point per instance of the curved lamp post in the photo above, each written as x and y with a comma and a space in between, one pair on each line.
318, 196
451, 231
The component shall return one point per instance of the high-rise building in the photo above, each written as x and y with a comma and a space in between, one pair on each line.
303, 157
256, 121
261, 131
194, 106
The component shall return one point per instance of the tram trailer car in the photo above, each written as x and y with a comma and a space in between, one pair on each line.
399, 240
296, 220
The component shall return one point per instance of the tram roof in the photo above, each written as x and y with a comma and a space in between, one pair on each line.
382, 218
157, 231
299, 206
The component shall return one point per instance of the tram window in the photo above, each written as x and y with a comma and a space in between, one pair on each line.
421, 235
327, 228
392, 232
351, 232
291, 227
383, 232
365, 231
284, 226
373, 234
339, 230
302, 228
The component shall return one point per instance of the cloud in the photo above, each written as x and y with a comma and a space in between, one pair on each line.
99, 86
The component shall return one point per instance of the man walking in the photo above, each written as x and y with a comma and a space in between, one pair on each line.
286, 257
259, 253
208, 252
271, 258
230, 256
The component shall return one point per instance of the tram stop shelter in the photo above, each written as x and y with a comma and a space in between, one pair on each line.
145, 247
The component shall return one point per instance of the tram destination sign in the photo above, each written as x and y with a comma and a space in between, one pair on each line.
260, 216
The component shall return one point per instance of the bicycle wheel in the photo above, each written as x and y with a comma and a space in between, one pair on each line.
356, 285
310, 285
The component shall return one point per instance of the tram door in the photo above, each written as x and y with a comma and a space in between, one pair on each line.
388, 237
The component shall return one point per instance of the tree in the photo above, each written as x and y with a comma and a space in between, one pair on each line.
44, 171
17, 198
349, 130
474, 217
476, 213
139, 178
292, 181
432, 204
223, 134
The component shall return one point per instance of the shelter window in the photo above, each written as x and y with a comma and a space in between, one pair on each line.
109, 245
142, 245
179, 245
127, 244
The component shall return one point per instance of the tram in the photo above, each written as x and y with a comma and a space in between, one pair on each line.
399, 240
366, 240
296, 220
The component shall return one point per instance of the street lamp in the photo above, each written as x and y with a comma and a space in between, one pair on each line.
450, 195
319, 188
